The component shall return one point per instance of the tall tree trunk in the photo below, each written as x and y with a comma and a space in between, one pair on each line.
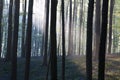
46, 33
10, 28
97, 27
81, 20
70, 45
23, 28
28, 40
15, 40
112, 2
1, 14
89, 39
63, 41
53, 42
102, 49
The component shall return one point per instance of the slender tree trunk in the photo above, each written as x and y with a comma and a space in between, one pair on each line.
28, 40
10, 28
23, 28
46, 33
1, 14
81, 20
112, 2
89, 39
63, 41
15, 40
70, 31
53, 40
102, 49
97, 27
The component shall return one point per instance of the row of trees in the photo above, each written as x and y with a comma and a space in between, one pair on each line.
85, 33
75, 15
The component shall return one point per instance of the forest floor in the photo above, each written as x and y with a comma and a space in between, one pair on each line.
75, 69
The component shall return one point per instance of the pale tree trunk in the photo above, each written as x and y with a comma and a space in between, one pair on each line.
63, 41
97, 28
80, 27
70, 37
112, 2
46, 33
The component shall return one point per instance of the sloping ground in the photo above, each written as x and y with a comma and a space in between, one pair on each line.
75, 69
38, 71
112, 67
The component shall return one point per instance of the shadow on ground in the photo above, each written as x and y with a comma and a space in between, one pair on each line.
38, 72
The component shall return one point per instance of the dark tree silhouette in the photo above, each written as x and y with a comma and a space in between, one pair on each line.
89, 40
15, 40
28, 40
1, 13
9, 40
53, 42
63, 41
23, 28
102, 49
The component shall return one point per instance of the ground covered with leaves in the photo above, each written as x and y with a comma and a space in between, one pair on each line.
75, 69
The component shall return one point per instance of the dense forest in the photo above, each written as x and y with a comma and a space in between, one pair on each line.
59, 40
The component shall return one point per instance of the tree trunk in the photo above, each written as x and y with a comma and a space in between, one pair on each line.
15, 40
53, 42
81, 20
63, 41
46, 33
23, 28
89, 40
102, 49
9, 40
97, 27
70, 45
28, 40
112, 2
1, 14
